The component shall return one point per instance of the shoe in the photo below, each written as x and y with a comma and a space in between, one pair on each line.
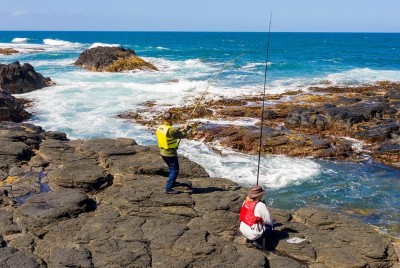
258, 246
171, 191
255, 244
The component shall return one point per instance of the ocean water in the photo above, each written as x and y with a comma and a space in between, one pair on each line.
83, 104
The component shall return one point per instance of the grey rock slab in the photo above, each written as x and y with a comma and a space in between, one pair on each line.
12, 258
83, 174
51, 207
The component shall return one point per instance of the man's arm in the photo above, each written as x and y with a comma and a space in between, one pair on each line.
263, 213
176, 133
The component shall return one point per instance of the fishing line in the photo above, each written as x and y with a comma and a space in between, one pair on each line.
263, 101
209, 84
205, 91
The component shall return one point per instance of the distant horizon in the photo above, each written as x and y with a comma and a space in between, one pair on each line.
205, 31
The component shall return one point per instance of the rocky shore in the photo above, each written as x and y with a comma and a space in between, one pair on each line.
345, 123
100, 203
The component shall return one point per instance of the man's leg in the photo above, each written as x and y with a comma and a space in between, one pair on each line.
173, 166
261, 242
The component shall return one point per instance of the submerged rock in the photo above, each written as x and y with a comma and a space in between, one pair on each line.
112, 59
16, 78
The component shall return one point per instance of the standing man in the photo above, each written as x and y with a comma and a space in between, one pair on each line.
168, 141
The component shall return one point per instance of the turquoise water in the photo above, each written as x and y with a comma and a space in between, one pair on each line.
83, 104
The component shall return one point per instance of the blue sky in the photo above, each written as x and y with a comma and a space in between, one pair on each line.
202, 15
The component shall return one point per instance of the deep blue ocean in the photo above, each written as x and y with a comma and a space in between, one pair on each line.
83, 104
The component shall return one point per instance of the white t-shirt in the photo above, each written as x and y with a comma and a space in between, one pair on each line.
255, 231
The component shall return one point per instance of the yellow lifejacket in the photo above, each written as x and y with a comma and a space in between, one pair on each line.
165, 142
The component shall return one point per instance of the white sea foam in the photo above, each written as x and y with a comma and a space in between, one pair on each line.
22, 47
275, 171
19, 40
49, 45
57, 42
362, 75
254, 65
104, 45
61, 62
162, 48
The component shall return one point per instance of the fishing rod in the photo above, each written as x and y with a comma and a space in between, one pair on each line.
205, 91
263, 101
209, 84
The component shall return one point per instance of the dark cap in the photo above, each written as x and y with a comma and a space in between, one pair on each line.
256, 191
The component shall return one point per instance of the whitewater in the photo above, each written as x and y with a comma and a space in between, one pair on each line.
84, 104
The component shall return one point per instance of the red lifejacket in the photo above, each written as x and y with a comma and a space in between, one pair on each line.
247, 213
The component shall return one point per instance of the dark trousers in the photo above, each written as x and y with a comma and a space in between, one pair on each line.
173, 165
261, 241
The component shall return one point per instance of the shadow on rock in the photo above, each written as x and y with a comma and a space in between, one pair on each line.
206, 190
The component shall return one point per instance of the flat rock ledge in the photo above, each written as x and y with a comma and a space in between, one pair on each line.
112, 59
110, 211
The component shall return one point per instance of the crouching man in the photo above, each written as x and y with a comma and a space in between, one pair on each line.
256, 222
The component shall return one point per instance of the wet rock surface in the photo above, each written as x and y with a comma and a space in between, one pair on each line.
16, 78
11, 108
345, 123
129, 221
8, 51
112, 59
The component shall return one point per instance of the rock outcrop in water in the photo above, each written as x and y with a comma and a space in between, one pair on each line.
106, 207
8, 51
11, 108
16, 78
112, 59
346, 123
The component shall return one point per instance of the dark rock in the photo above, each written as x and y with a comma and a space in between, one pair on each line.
306, 117
70, 257
56, 135
84, 174
350, 115
49, 208
389, 152
11, 109
346, 101
276, 261
380, 132
12, 258
13, 154
351, 243
111, 59
16, 79
393, 94
7, 224
270, 114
